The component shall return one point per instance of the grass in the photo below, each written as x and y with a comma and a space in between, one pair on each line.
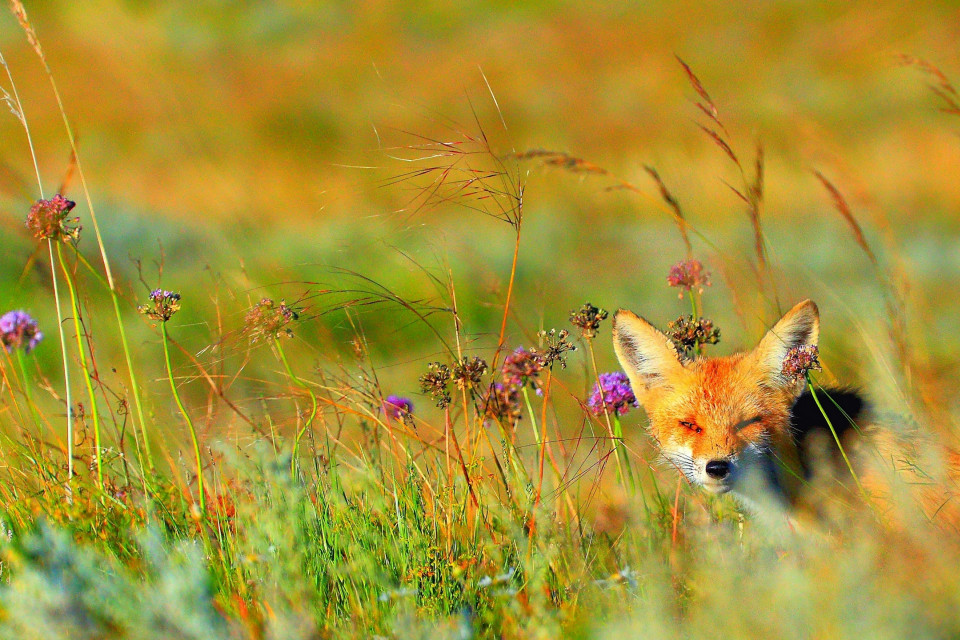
247, 480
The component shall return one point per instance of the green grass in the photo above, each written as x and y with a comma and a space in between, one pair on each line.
227, 480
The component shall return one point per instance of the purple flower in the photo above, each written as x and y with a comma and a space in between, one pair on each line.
521, 367
688, 275
19, 330
165, 304
617, 397
397, 407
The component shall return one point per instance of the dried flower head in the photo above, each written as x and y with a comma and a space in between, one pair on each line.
164, 305
502, 403
398, 408
468, 373
687, 334
19, 331
48, 219
553, 346
612, 394
799, 361
522, 367
434, 383
588, 319
688, 275
268, 319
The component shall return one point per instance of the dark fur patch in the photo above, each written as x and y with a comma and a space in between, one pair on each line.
841, 405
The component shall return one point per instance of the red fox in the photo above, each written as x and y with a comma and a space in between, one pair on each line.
739, 423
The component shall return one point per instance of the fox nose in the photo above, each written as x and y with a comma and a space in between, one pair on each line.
718, 469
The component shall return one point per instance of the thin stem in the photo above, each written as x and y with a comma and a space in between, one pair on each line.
66, 366
836, 438
506, 306
78, 329
186, 416
35, 42
313, 406
606, 413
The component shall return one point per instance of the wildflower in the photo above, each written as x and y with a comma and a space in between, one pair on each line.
556, 346
18, 330
687, 334
165, 304
434, 384
269, 320
613, 394
502, 403
688, 275
398, 408
522, 367
799, 361
48, 219
588, 319
467, 374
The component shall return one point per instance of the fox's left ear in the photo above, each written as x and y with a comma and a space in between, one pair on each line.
799, 326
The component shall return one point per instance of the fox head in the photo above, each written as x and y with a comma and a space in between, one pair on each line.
715, 418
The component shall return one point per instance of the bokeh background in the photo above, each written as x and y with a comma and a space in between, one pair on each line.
248, 147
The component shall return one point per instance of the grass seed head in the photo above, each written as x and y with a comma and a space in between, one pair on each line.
468, 373
553, 347
687, 334
269, 320
435, 384
588, 318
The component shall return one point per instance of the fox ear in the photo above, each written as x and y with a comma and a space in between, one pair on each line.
649, 357
799, 326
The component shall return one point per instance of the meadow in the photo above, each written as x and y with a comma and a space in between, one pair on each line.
324, 289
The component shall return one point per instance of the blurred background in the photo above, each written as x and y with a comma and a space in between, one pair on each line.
250, 148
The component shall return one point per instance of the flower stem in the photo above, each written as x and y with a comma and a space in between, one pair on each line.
186, 417
66, 365
836, 438
78, 329
606, 413
313, 406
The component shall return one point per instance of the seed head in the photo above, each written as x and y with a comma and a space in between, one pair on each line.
468, 373
398, 408
799, 361
269, 320
553, 347
48, 219
588, 319
613, 393
19, 331
434, 383
688, 275
687, 334
163, 304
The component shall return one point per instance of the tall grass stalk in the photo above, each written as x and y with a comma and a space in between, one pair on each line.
21, 14
186, 417
308, 423
836, 438
87, 377
21, 116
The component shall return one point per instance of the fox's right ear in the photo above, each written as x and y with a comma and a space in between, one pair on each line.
649, 358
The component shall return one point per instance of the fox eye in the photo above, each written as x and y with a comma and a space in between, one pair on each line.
691, 426
743, 424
